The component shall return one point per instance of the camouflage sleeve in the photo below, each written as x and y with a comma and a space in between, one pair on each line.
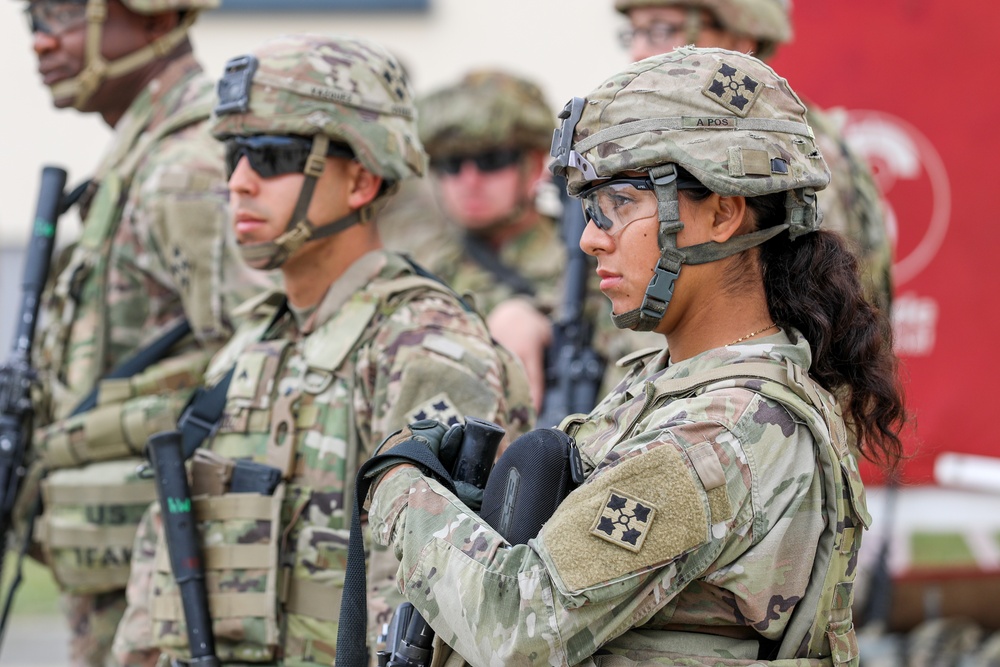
670, 508
430, 360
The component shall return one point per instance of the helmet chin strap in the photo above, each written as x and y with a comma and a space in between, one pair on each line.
271, 255
661, 287
97, 69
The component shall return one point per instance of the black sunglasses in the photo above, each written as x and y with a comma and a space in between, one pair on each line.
485, 162
273, 155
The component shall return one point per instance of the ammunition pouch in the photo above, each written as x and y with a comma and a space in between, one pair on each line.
260, 596
128, 411
88, 527
240, 534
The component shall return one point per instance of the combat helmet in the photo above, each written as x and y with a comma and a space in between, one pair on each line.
486, 109
726, 118
336, 91
767, 21
97, 69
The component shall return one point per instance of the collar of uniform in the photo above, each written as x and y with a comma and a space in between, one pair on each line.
777, 347
368, 267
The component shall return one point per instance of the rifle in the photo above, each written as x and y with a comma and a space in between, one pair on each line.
166, 454
409, 639
16, 374
523, 490
573, 369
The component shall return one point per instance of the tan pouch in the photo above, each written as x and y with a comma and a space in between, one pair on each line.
88, 528
240, 535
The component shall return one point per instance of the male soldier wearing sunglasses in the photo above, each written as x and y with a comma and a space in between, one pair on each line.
360, 343
152, 265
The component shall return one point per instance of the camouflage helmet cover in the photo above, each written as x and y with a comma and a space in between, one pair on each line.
352, 90
767, 21
487, 109
158, 6
725, 117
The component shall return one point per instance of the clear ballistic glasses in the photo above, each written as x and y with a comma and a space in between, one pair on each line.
276, 154
614, 205
54, 17
486, 162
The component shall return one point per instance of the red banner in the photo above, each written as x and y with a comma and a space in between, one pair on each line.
921, 95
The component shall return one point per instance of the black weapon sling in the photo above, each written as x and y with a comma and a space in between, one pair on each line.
484, 256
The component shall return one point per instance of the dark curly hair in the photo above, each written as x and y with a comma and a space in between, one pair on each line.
813, 285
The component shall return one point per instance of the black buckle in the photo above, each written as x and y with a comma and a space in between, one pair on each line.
658, 293
562, 136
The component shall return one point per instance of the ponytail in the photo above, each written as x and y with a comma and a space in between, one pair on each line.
812, 284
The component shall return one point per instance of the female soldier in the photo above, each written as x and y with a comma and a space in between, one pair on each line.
722, 511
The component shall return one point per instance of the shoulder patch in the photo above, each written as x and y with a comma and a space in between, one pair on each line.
584, 556
440, 408
624, 521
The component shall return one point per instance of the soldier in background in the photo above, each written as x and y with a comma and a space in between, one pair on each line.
362, 345
153, 254
851, 205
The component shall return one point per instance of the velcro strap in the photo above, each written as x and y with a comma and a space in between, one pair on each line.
103, 437
58, 452
307, 598
748, 162
138, 493
57, 536
232, 506
227, 557
168, 607
114, 390
103, 579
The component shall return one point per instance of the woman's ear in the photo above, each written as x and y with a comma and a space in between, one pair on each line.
730, 214
365, 186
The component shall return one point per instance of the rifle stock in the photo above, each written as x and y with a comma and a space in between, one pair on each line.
573, 369
16, 374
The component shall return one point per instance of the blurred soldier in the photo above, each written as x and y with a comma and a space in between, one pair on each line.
152, 256
362, 345
851, 204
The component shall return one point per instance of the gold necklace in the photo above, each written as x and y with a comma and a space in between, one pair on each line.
751, 335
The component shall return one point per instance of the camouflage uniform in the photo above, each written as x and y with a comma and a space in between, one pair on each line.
722, 511
313, 395
720, 503
852, 204
154, 249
